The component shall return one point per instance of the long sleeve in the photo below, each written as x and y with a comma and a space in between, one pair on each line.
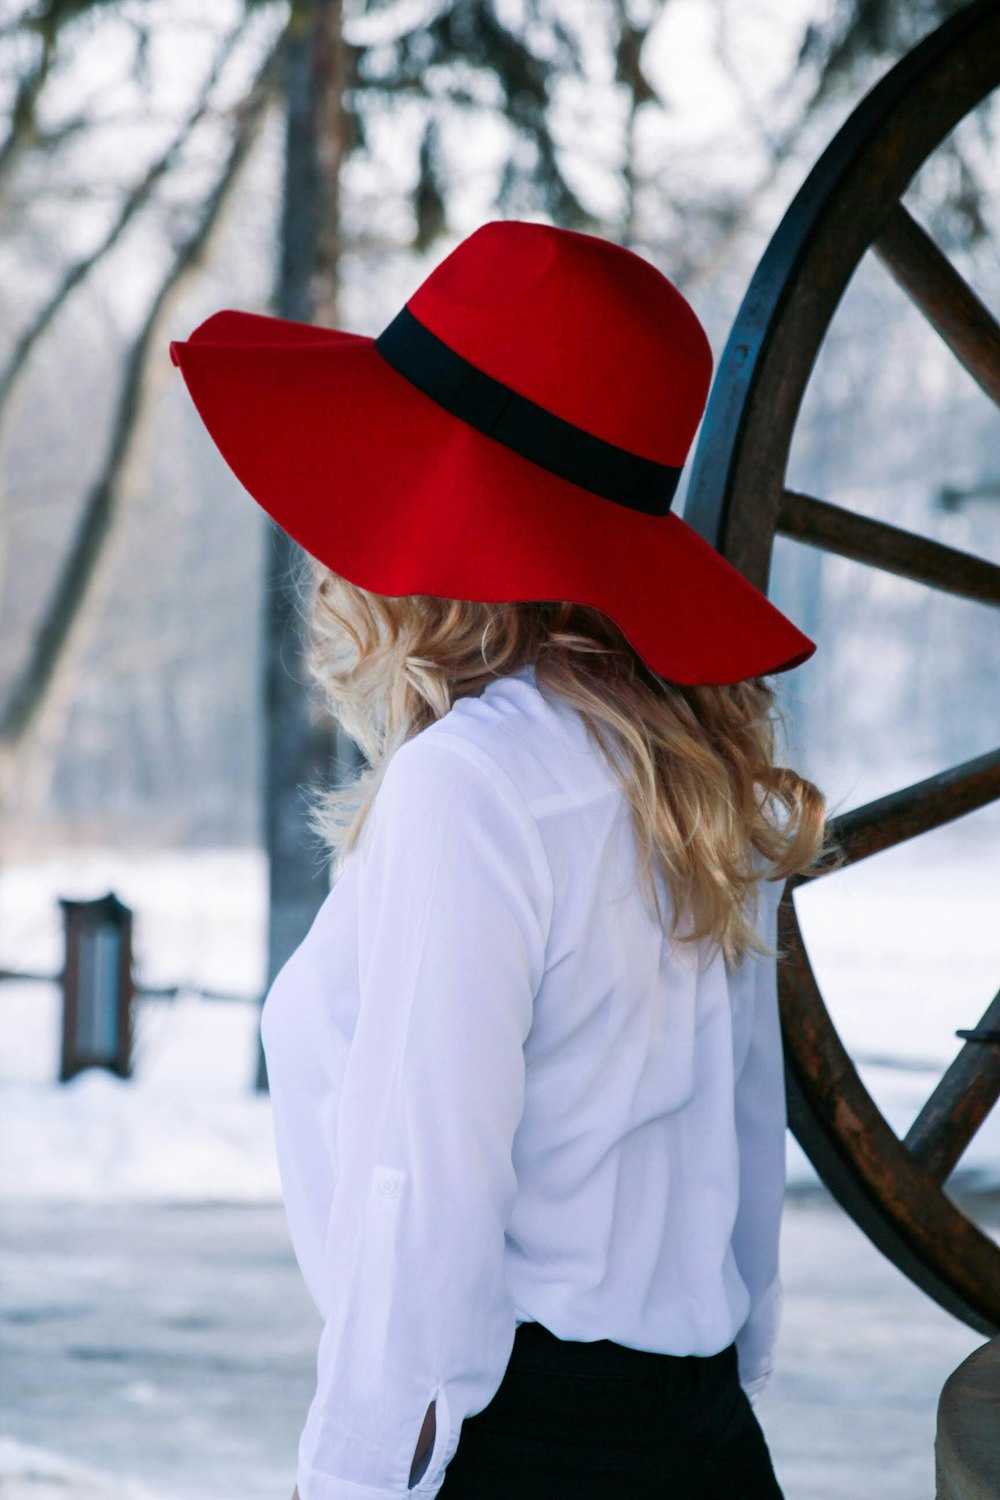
761, 1123
454, 906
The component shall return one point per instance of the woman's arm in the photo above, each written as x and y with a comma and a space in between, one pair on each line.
425, 1443
454, 902
760, 1109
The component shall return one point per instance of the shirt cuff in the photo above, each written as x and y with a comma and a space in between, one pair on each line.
756, 1340
312, 1485
757, 1383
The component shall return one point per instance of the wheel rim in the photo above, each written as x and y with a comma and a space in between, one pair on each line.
739, 501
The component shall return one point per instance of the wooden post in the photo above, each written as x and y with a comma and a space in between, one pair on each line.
97, 986
967, 1445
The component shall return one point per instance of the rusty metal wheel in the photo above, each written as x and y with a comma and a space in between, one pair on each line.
850, 203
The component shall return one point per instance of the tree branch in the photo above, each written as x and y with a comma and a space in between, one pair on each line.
22, 118
135, 200
35, 709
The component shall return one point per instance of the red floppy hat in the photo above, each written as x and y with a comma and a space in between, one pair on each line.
516, 433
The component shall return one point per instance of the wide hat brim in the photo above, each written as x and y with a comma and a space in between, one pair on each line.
376, 480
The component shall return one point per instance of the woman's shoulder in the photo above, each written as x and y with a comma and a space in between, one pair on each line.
536, 740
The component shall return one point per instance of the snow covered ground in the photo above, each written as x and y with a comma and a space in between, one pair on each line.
905, 946
138, 1363
166, 1352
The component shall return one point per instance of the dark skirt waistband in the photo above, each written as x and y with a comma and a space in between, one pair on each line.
537, 1345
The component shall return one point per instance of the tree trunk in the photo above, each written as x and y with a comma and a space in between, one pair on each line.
33, 717
301, 747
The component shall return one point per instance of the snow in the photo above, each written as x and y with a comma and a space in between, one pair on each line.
170, 1350
40, 1474
904, 946
187, 1125
163, 1339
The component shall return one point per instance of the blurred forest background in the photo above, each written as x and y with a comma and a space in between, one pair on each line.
164, 158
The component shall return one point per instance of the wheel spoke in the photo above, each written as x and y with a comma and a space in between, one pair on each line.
891, 548
915, 809
960, 1103
863, 1162
947, 302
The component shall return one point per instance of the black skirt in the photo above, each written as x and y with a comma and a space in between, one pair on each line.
600, 1421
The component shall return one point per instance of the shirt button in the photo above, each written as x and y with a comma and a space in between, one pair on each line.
389, 1186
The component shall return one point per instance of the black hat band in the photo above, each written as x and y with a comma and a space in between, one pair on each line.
521, 424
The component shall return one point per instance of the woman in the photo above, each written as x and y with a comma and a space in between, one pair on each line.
526, 1067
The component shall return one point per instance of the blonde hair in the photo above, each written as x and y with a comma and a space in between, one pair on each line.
695, 763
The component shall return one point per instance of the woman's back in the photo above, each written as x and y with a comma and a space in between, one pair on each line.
487, 1057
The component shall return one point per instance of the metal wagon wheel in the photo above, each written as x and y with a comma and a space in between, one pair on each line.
893, 1188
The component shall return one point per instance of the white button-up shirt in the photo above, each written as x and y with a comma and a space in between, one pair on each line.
500, 1094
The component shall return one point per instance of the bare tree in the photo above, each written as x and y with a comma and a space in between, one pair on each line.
464, 59
301, 748
36, 707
